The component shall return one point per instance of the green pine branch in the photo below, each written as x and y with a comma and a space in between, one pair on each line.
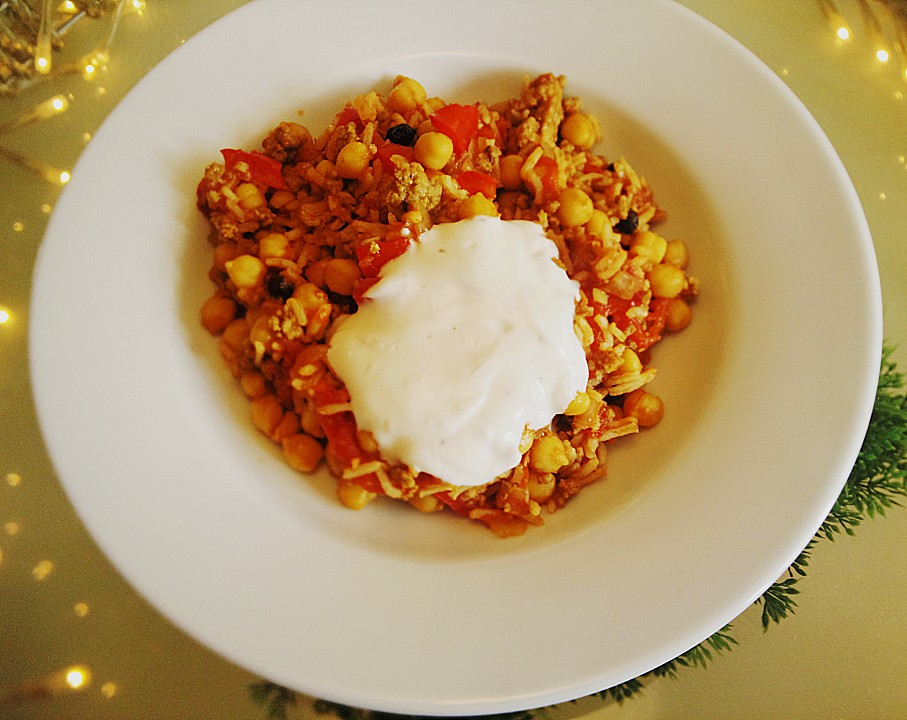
877, 483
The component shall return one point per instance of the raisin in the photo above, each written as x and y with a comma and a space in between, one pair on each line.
278, 286
402, 134
629, 224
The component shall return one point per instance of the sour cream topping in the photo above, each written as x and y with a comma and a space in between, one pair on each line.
466, 340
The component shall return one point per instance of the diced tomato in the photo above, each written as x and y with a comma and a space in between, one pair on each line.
374, 255
487, 131
459, 122
349, 115
546, 168
264, 170
617, 310
646, 331
340, 431
369, 483
654, 325
473, 181
361, 287
388, 150
458, 506
592, 166
326, 393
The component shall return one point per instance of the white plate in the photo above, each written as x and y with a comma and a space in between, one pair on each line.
768, 393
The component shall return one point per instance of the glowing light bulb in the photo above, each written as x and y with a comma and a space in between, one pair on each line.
47, 109
77, 677
5, 317
42, 570
93, 62
843, 33
43, 40
882, 55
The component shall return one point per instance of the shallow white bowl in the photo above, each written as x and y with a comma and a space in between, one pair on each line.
768, 393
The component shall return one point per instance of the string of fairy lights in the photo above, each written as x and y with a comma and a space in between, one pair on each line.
33, 51
33, 48
883, 23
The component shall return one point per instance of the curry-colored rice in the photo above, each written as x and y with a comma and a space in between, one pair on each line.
302, 226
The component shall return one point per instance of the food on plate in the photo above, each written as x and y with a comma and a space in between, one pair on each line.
450, 305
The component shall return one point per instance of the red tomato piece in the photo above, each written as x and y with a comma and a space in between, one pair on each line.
546, 168
264, 170
648, 330
373, 256
361, 287
369, 483
349, 115
388, 150
473, 181
459, 122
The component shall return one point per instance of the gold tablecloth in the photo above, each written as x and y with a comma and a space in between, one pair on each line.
63, 607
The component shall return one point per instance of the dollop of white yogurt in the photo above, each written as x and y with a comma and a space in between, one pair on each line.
466, 340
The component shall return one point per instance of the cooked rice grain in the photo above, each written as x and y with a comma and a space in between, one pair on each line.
287, 206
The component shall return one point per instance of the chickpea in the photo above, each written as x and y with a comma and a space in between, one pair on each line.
541, 487
678, 314
630, 361
352, 160
274, 245
281, 198
547, 454
579, 404
302, 452
477, 204
575, 209
267, 412
250, 196
314, 272
288, 426
223, 253
667, 281
510, 166
579, 130
235, 334
677, 254
597, 223
341, 275
217, 312
648, 245
352, 495
246, 271
434, 150
253, 384
427, 504
310, 422
406, 96
647, 408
